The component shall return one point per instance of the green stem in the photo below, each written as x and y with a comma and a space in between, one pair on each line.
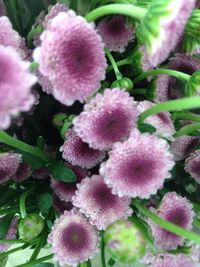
114, 65
31, 263
190, 117
123, 9
9, 210
6, 253
188, 129
177, 74
168, 225
7, 139
103, 260
32, 33
22, 203
120, 63
171, 105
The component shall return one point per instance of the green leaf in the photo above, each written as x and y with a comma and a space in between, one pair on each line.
3, 261
35, 162
62, 173
146, 128
45, 202
4, 225
40, 142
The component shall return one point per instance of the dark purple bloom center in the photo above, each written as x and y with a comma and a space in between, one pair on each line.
75, 238
3, 173
116, 25
84, 150
138, 170
112, 126
164, 118
79, 57
195, 167
103, 197
177, 216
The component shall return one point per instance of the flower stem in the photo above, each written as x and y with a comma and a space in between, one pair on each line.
12, 241
123, 9
182, 116
31, 263
114, 65
119, 63
171, 105
188, 129
6, 253
103, 260
7, 139
177, 74
168, 225
22, 202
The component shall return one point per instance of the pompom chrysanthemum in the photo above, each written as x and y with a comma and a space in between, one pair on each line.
65, 191
15, 85
23, 172
96, 201
8, 36
170, 260
182, 146
78, 153
162, 33
73, 238
162, 121
11, 234
138, 166
192, 165
177, 210
115, 32
9, 163
71, 56
106, 119
184, 63
53, 11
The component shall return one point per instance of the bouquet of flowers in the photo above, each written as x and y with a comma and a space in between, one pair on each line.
100, 132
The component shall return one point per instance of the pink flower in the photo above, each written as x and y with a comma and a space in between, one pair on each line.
11, 234
96, 201
73, 239
53, 11
106, 119
170, 260
60, 205
162, 121
9, 163
71, 56
182, 146
15, 86
138, 166
192, 165
65, 191
23, 172
116, 33
170, 25
78, 153
177, 210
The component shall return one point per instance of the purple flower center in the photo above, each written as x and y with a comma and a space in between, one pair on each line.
138, 171
3, 173
112, 125
195, 167
84, 150
164, 118
75, 238
179, 217
103, 197
79, 58
191, 146
116, 25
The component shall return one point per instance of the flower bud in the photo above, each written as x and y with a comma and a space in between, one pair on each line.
124, 241
30, 227
125, 83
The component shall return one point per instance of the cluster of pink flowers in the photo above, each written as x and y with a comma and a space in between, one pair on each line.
118, 160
